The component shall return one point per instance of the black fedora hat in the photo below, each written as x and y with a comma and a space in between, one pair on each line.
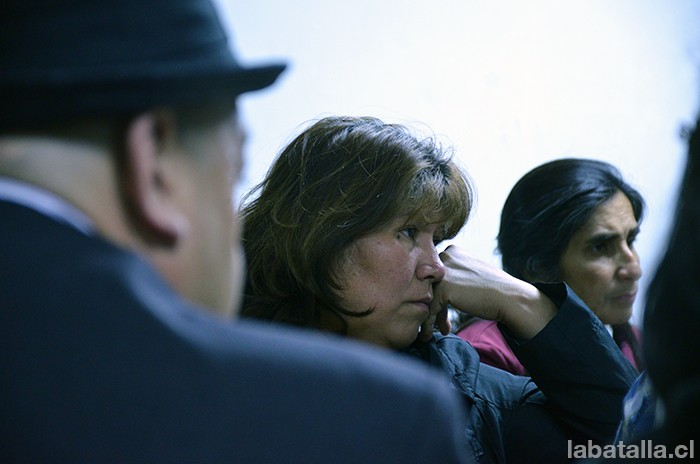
67, 59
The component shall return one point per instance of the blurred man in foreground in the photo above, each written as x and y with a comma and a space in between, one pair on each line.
119, 150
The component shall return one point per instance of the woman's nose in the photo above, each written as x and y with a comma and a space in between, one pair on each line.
630, 268
432, 267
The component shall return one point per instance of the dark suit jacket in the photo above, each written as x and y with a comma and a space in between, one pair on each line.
102, 362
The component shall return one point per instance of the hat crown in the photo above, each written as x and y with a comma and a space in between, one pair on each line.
62, 60
51, 36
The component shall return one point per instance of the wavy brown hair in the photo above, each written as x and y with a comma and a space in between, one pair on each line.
340, 179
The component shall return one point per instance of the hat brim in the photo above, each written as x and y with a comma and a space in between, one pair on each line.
56, 97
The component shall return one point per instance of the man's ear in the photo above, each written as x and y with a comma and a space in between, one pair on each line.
147, 189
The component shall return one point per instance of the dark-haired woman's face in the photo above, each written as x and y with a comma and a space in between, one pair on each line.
601, 264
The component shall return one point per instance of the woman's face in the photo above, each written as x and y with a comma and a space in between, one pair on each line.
391, 271
600, 263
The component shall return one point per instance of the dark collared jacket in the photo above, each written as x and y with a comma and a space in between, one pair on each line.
579, 379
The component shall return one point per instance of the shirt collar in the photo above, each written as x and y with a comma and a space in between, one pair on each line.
44, 202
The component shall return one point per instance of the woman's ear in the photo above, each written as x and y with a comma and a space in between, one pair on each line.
149, 192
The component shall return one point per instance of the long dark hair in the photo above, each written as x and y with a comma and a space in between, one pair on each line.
548, 205
672, 314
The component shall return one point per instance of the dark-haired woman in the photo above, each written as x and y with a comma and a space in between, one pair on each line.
573, 220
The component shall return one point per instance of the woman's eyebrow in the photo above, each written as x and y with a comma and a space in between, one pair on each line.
602, 237
605, 236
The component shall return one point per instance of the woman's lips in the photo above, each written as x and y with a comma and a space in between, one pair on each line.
626, 298
424, 304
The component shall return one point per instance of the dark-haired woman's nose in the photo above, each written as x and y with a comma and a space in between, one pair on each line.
630, 268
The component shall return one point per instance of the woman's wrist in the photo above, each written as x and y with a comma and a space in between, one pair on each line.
527, 310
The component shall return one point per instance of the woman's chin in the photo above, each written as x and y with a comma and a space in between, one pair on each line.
618, 316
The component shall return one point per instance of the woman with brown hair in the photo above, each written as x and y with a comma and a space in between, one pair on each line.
342, 236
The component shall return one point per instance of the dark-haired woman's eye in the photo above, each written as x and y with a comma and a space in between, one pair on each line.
601, 248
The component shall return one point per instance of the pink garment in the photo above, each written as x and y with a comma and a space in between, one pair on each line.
627, 349
492, 347
494, 350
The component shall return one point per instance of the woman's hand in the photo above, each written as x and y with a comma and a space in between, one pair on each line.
438, 318
482, 290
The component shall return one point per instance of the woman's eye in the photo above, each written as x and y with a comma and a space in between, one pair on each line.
600, 248
409, 232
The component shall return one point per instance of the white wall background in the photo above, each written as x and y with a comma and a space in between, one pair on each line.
510, 84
